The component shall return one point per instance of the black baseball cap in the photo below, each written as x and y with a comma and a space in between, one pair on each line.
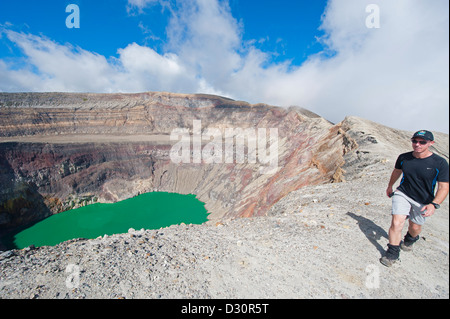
426, 135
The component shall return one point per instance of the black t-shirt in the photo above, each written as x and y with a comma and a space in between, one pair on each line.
420, 176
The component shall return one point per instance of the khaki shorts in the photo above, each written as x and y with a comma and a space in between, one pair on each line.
404, 205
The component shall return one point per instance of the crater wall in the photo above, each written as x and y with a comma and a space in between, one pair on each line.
63, 150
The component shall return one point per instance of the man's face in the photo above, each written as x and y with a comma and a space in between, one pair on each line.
420, 145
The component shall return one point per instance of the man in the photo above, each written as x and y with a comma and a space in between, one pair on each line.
415, 198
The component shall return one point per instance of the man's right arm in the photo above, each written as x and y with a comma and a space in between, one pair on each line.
396, 173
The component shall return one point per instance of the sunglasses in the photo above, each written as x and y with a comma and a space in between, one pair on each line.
420, 142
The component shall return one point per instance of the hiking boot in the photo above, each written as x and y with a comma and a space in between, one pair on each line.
408, 242
406, 247
388, 262
392, 255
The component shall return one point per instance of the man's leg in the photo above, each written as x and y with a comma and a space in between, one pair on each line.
411, 236
400, 211
395, 231
414, 229
395, 237
416, 220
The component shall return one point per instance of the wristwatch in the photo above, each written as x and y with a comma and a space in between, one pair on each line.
435, 205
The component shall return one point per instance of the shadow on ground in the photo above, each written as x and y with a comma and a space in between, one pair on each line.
372, 231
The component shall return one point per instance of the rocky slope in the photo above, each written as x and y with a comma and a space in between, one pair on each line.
321, 240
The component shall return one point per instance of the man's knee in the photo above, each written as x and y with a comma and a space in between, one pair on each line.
398, 221
414, 229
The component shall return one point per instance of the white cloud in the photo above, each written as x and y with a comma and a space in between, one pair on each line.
396, 75
139, 5
59, 68
55, 67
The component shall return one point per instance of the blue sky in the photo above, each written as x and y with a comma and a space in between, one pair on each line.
287, 29
321, 54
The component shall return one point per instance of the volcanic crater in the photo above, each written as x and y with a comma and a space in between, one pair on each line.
60, 151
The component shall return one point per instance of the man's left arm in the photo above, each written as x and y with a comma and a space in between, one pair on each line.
441, 194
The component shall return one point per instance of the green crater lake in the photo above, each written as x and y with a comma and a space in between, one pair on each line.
148, 211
